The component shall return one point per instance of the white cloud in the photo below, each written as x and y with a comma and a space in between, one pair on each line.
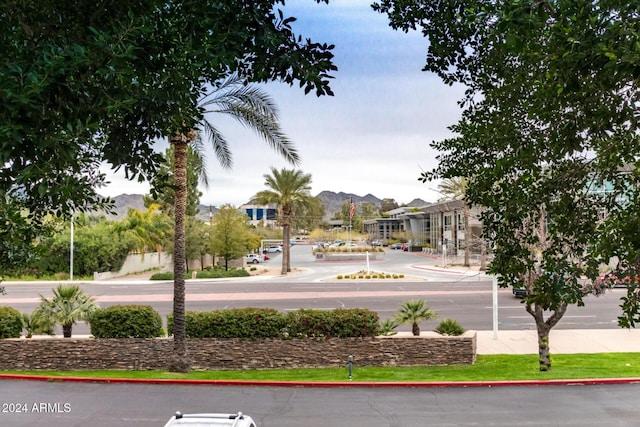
372, 137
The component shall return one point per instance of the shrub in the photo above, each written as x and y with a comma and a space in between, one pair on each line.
269, 323
233, 323
449, 327
355, 322
388, 327
126, 321
339, 276
167, 275
10, 323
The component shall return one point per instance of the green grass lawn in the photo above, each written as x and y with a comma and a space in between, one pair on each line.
486, 368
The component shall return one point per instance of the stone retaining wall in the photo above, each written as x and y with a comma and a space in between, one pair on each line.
429, 349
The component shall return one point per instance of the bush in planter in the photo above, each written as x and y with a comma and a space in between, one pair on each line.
233, 323
126, 321
10, 323
449, 327
339, 323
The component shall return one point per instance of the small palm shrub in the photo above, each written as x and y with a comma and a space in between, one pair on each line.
449, 327
68, 305
388, 327
126, 321
414, 312
10, 323
34, 325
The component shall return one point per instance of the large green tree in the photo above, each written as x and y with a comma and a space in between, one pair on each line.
230, 238
548, 138
92, 82
289, 189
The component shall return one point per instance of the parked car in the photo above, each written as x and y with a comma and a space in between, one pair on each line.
395, 246
274, 248
253, 258
404, 247
519, 292
232, 420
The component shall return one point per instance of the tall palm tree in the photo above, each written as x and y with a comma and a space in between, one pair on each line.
68, 305
414, 312
456, 189
289, 189
253, 108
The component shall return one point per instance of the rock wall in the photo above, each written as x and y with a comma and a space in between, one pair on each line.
429, 349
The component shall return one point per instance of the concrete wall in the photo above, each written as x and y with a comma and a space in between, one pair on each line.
136, 263
429, 349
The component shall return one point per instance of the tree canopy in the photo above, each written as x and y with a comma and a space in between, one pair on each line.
89, 82
106, 80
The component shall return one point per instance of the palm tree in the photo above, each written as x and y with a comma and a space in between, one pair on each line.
67, 306
289, 189
414, 312
456, 189
253, 108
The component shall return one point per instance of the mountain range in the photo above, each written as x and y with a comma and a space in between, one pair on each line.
332, 203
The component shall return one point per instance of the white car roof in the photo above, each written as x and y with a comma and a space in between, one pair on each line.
210, 420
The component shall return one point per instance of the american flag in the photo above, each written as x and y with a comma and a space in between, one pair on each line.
352, 209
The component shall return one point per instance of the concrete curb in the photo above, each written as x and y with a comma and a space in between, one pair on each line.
349, 384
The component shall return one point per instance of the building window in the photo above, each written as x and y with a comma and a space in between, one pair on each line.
461, 221
447, 222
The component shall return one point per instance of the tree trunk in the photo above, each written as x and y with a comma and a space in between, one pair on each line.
544, 328
66, 330
180, 362
483, 255
467, 237
286, 238
415, 329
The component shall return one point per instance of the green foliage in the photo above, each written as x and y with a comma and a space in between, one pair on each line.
98, 247
269, 323
388, 327
34, 325
165, 275
414, 312
548, 139
230, 237
211, 273
10, 322
449, 327
308, 323
128, 321
68, 305
233, 323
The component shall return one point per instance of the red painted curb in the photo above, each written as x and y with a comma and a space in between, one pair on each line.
434, 384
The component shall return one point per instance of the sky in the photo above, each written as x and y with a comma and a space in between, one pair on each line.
371, 137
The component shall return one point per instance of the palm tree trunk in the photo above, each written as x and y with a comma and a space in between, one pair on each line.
66, 330
180, 361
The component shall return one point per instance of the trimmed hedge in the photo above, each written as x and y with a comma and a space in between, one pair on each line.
209, 273
232, 323
255, 323
339, 323
126, 321
10, 323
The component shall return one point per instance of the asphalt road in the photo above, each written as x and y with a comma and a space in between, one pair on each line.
466, 298
106, 405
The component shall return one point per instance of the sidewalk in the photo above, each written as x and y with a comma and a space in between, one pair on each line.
560, 341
